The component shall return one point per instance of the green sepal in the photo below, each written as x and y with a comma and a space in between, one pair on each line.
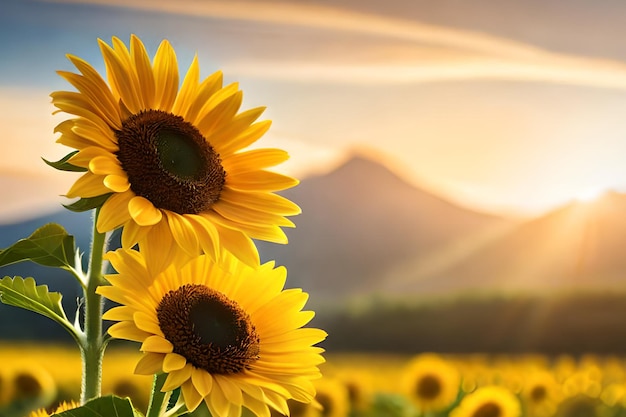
86, 204
63, 165
109, 406
50, 245
25, 293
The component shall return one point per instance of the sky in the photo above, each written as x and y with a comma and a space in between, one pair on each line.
514, 106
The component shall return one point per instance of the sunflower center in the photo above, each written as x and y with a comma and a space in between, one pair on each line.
538, 393
169, 162
326, 402
428, 387
26, 385
210, 330
489, 409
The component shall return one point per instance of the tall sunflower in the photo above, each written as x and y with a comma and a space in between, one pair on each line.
170, 164
225, 332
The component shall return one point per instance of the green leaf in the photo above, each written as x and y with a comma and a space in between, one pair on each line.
63, 165
86, 204
50, 245
109, 406
24, 293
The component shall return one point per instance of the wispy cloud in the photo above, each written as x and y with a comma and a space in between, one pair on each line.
438, 53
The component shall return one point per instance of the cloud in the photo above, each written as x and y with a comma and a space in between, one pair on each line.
429, 53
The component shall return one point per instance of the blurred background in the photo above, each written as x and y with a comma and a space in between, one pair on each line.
462, 163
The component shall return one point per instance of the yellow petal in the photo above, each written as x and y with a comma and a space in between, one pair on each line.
214, 100
230, 389
141, 62
114, 212
72, 140
74, 103
131, 263
117, 183
101, 100
120, 77
119, 313
104, 165
258, 407
297, 338
209, 86
149, 364
249, 215
187, 94
221, 115
234, 410
157, 344
202, 380
110, 104
253, 160
143, 211
133, 233
147, 323
244, 139
97, 133
124, 54
222, 137
239, 245
183, 232
88, 185
208, 236
165, 69
127, 330
218, 404
191, 396
260, 201
85, 155
173, 362
158, 248
260, 181
176, 378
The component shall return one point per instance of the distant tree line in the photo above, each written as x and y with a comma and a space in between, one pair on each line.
573, 323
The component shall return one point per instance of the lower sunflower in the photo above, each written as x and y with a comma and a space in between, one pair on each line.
224, 332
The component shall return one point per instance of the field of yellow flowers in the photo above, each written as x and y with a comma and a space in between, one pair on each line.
360, 385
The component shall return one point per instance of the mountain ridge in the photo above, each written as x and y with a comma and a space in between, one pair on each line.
574, 247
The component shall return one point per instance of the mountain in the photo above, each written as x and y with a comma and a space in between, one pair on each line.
579, 246
361, 220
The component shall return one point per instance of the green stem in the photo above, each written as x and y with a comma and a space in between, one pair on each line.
157, 398
92, 349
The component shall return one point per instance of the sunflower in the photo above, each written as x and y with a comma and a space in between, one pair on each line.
359, 386
333, 397
488, 401
331, 400
170, 165
224, 332
64, 406
541, 393
32, 387
431, 382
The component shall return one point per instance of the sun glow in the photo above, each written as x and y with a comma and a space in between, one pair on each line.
589, 195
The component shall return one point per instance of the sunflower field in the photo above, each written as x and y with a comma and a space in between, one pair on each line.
358, 385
